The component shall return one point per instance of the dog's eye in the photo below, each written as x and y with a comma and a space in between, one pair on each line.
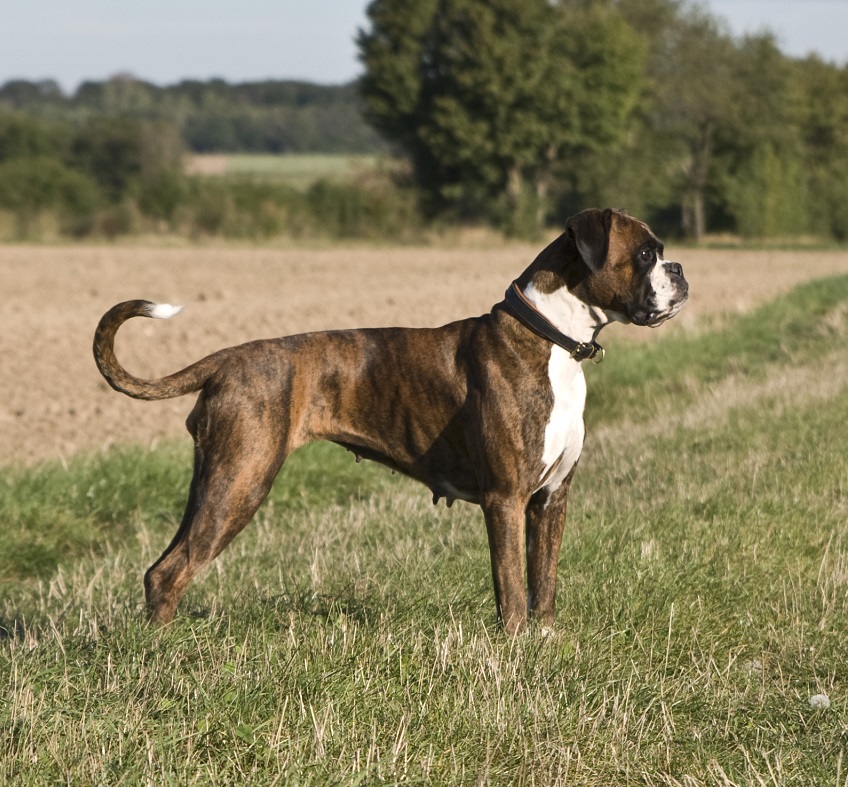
648, 255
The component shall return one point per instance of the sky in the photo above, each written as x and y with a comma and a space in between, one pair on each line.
165, 41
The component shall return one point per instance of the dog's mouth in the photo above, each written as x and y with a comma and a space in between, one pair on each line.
655, 318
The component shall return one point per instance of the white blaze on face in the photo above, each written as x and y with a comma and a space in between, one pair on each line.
564, 431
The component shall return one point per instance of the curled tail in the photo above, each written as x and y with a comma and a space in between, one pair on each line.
192, 378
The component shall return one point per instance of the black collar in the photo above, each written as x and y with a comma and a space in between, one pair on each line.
531, 317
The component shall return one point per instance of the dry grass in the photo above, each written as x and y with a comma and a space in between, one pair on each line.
782, 388
346, 637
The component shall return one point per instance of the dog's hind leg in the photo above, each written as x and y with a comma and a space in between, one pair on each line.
234, 468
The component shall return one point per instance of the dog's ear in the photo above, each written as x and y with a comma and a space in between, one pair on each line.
589, 230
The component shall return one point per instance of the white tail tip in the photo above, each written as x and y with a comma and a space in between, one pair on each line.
163, 311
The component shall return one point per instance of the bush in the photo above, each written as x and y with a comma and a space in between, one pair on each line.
161, 193
27, 137
240, 207
345, 210
32, 186
123, 156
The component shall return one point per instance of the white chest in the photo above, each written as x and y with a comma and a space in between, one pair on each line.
564, 430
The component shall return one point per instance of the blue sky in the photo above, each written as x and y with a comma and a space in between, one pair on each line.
164, 42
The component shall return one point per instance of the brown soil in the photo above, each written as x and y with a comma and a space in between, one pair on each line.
53, 402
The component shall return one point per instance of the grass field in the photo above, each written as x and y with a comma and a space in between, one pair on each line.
299, 171
348, 637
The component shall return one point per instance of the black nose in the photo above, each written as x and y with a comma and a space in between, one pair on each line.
675, 267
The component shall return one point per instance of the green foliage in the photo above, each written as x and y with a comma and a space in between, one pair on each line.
161, 193
766, 195
33, 185
519, 113
261, 207
731, 135
116, 175
336, 128
268, 117
122, 155
24, 95
820, 99
346, 636
350, 211
110, 151
22, 136
84, 176
511, 112
35, 177
487, 97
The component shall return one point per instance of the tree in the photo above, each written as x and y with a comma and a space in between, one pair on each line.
22, 136
694, 81
20, 94
121, 155
487, 97
31, 185
821, 116
759, 152
719, 144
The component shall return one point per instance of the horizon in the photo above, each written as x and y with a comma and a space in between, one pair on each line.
164, 44
129, 77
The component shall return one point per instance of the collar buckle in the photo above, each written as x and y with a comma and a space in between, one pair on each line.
588, 351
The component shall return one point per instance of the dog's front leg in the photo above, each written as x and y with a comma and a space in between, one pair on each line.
544, 528
505, 528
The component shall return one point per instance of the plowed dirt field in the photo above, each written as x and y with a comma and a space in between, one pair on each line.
53, 402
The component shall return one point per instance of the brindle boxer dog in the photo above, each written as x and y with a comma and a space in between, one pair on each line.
487, 409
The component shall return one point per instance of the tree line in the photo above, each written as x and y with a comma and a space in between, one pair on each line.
108, 160
512, 112
522, 111
273, 116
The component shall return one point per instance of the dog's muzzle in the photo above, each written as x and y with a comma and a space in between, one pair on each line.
665, 301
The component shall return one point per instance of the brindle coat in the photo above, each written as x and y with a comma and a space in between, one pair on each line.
461, 408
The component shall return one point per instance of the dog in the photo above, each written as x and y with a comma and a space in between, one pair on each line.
487, 409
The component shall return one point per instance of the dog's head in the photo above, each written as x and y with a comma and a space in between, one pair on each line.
613, 262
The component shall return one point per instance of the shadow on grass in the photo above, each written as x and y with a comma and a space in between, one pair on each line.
15, 627
349, 602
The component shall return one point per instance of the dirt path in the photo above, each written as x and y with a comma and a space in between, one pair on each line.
53, 402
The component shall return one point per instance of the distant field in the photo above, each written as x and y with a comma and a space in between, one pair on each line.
297, 170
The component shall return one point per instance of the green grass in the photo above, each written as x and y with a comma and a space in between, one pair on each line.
300, 171
347, 636
55, 514
801, 326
